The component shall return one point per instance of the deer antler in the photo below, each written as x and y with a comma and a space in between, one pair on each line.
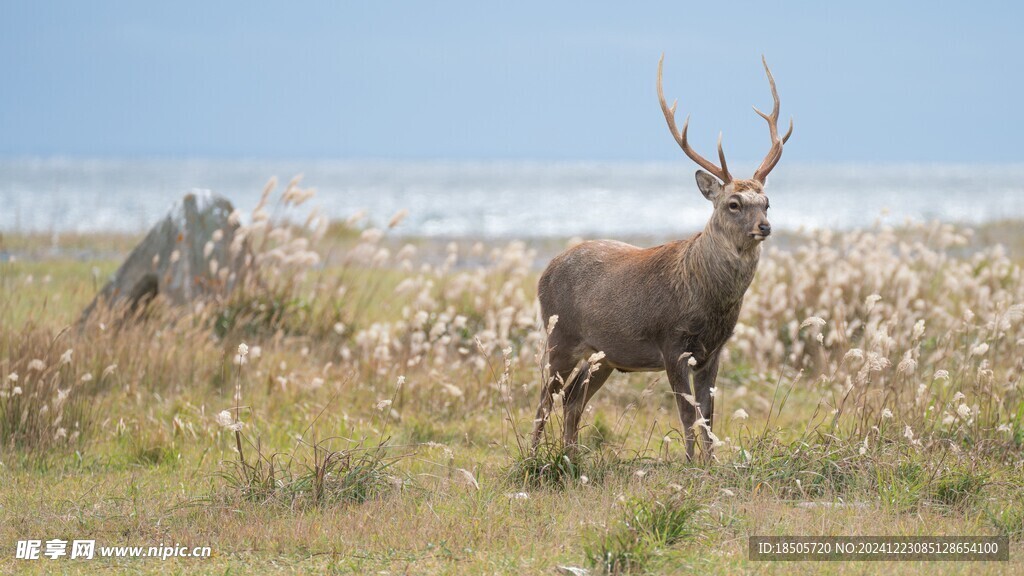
670, 117
775, 153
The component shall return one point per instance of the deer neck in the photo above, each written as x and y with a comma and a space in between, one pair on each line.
719, 272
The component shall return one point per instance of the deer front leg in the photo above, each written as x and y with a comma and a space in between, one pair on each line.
679, 378
703, 382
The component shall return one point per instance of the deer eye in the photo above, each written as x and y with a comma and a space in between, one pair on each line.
734, 205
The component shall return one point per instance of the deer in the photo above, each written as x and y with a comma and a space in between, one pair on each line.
666, 308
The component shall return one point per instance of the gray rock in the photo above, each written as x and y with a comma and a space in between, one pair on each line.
185, 257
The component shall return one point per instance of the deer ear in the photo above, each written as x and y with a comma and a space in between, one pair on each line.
708, 184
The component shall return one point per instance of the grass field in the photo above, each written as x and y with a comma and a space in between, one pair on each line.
375, 420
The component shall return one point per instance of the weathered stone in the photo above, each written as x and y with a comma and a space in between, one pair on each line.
186, 256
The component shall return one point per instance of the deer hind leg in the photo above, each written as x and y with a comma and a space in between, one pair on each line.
577, 394
562, 366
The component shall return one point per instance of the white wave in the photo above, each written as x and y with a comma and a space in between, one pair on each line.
522, 199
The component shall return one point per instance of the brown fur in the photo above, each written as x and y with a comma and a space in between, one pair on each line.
650, 309
745, 185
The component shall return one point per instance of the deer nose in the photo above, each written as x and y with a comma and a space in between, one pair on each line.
765, 228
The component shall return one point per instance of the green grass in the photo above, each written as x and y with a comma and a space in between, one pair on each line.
646, 529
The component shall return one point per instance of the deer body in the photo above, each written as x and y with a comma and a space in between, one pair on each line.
671, 307
662, 311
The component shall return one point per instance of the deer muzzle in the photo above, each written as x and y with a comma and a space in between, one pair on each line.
763, 231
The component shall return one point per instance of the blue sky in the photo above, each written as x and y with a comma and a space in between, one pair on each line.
865, 81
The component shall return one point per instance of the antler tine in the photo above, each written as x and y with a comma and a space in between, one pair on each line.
680, 137
721, 158
775, 152
670, 113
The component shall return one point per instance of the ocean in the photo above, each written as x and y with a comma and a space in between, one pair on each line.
519, 199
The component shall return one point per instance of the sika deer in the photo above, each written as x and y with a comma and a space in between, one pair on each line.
671, 307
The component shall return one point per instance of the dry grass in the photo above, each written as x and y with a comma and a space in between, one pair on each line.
377, 420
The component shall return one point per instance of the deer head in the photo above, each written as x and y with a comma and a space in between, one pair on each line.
741, 206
